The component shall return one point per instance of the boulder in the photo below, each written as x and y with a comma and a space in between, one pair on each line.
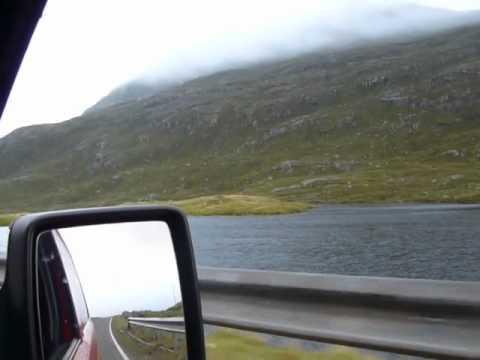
287, 166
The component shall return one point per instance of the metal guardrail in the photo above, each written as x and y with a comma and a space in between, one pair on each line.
428, 318
439, 319
171, 324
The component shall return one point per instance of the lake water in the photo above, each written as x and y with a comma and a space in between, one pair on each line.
417, 241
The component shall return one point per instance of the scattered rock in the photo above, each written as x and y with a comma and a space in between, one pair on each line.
101, 160
338, 165
287, 166
21, 178
144, 139
321, 179
213, 121
150, 197
348, 122
288, 125
307, 182
274, 132
456, 177
394, 98
453, 153
374, 81
286, 188
344, 165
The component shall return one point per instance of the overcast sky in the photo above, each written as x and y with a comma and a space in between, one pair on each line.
82, 49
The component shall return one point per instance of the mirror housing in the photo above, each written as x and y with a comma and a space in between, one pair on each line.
19, 327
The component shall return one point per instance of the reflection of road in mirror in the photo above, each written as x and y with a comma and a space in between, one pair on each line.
118, 339
151, 335
130, 280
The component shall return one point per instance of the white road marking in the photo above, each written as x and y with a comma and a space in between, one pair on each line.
120, 350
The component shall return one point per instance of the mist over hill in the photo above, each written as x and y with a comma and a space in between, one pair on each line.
390, 120
324, 31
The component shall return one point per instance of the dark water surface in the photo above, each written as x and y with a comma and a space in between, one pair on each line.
411, 241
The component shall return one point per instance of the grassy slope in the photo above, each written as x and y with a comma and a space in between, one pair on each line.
220, 205
237, 205
229, 344
236, 345
6, 219
312, 129
137, 350
156, 342
174, 311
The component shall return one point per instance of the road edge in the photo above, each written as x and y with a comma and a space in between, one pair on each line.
120, 350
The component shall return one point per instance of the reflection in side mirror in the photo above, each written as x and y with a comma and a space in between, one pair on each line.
110, 290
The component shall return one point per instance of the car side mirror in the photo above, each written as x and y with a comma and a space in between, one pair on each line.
91, 281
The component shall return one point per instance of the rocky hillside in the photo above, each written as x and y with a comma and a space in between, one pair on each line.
390, 121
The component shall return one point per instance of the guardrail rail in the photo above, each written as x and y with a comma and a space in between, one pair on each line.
171, 324
428, 318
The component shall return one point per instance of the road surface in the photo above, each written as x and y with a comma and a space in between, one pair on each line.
107, 347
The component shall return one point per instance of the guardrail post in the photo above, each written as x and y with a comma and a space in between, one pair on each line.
174, 342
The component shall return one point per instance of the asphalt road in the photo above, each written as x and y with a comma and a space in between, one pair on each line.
108, 349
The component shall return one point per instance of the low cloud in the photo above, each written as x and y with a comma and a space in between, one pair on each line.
310, 27
81, 50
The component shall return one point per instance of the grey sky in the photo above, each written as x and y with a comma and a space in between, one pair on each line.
83, 49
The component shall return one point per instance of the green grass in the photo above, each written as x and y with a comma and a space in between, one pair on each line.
236, 345
239, 205
174, 311
145, 343
221, 344
235, 205
7, 219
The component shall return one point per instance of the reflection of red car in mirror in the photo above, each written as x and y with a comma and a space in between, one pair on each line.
67, 330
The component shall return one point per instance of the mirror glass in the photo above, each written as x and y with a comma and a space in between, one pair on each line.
110, 291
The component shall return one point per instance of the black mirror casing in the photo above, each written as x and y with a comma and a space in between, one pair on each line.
18, 294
